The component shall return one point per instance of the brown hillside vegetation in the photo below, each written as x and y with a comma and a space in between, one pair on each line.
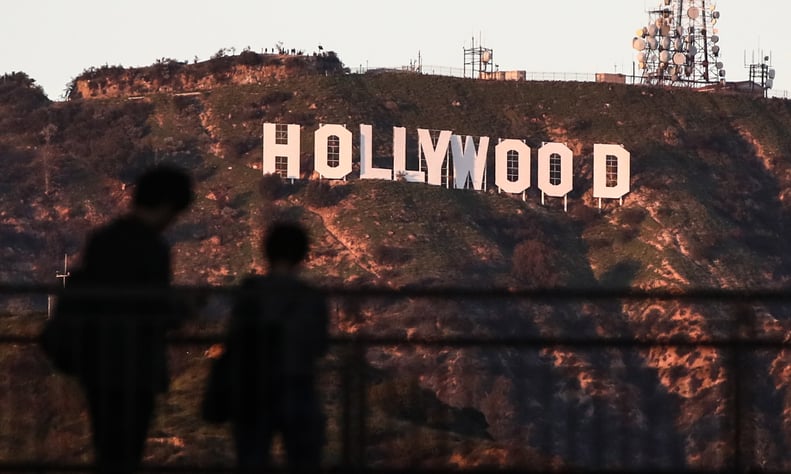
709, 208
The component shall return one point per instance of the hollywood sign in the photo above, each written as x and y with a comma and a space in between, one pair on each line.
465, 160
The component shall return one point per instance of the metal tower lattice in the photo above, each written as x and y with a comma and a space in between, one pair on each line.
679, 46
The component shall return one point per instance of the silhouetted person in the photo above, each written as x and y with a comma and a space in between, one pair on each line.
123, 363
277, 332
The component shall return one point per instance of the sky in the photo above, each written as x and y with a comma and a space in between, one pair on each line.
54, 41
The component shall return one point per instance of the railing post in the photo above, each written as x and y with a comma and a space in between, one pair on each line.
354, 407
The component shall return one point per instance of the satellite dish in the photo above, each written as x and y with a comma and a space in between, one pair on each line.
772, 74
722, 72
715, 50
679, 59
638, 44
692, 50
664, 57
652, 43
486, 57
720, 65
666, 42
679, 30
659, 22
652, 30
715, 39
715, 15
640, 57
679, 44
665, 29
693, 13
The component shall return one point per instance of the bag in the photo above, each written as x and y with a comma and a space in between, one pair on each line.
62, 339
216, 404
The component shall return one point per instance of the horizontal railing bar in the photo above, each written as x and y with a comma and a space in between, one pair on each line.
514, 342
52, 467
738, 295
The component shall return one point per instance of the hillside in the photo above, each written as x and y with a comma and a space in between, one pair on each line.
708, 208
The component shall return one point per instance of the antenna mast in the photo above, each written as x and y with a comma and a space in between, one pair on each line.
679, 46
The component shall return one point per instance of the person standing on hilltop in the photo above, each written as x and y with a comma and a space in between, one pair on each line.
277, 333
122, 362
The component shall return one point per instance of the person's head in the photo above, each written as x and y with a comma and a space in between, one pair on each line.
286, 245
161, 193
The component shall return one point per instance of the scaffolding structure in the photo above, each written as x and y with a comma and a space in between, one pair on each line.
679, 46
478, 61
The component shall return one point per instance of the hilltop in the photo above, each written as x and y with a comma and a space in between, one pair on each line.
709, 208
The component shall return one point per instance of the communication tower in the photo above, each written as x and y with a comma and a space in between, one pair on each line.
679, 46
762, 75
478, 61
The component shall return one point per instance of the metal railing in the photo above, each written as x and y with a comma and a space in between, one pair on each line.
448, 379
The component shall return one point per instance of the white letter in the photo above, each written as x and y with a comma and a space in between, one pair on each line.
522, 166
469, 162
566, 183
399, 158
434, 156
611, 164
367, 170
289, 150
344, 151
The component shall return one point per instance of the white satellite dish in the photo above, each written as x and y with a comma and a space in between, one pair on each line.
652, 29
486, 56
679, 59
666, 42
664, 57
693, 13
652, 43
715, 50
772, 74
638, 44
715, 39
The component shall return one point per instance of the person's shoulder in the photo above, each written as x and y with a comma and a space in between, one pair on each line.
123, 227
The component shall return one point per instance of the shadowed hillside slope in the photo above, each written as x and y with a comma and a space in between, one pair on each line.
709, 208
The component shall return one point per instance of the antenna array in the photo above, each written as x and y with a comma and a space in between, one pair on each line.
679, 46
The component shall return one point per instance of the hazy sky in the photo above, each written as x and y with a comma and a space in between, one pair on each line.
55, 40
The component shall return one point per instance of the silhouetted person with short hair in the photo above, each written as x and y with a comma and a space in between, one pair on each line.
123, 364
277, 332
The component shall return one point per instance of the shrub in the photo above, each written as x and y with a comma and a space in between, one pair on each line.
633, 215
387, 255
319, 193
531, 264
270, 186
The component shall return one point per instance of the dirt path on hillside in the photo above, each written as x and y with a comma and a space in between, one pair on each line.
327, 218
